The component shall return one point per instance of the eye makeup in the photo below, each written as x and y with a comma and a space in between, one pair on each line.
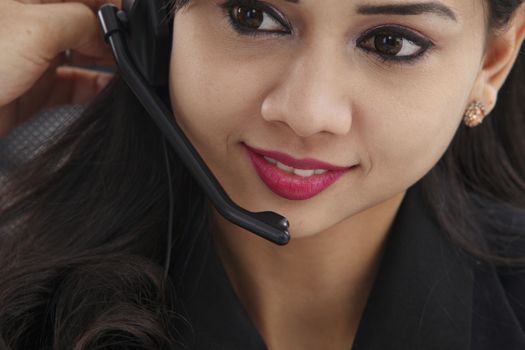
398, 34
268, 12
389, 43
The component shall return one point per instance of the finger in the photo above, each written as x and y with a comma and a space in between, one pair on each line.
77, 86
57, 27
28, 101
66, 85
70, 86
94, 5
79, 60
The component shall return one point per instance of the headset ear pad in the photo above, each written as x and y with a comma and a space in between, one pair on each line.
150, 26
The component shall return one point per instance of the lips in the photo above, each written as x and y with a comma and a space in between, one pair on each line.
294, 179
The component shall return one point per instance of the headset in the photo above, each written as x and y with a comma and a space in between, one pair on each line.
140, 36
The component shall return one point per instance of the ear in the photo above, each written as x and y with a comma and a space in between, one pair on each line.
501, 52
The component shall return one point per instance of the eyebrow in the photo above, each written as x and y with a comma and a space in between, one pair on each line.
406, 9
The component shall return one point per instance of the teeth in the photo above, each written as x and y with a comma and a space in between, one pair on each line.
304, 173
299, 172
270, 160
286, 168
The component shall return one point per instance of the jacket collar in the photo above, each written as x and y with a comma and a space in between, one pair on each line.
422, 296
421, 299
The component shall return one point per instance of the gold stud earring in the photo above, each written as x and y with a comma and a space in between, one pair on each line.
474, 114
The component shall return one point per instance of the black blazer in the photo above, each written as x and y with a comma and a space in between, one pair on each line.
427, 295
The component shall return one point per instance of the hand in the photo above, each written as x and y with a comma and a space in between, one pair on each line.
34, 74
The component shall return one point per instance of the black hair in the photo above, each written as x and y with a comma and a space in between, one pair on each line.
82, 253
477, 189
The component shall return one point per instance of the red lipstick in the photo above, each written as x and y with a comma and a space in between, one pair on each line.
291, 178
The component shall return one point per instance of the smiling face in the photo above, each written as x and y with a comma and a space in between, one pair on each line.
366, 95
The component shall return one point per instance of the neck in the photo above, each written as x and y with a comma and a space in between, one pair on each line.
315, 286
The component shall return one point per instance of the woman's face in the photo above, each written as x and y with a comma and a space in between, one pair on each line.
364, 94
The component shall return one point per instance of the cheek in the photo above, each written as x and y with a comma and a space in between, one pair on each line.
200, 95
217, 87
410, 121
208, 84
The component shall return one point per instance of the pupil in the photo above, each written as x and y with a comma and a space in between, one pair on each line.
388, 44
250, 17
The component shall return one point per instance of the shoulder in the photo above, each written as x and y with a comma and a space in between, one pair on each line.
499, 287
498, 308
513, 282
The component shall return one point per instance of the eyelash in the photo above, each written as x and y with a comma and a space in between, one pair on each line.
229, 5
395, 30
400, 32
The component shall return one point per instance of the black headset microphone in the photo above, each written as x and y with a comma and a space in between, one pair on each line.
140, 37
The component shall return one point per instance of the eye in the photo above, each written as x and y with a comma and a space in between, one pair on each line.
394, 43
251, 17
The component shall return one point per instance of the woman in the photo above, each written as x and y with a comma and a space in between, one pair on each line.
408, 235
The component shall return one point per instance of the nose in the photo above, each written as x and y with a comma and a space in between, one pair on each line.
311, 98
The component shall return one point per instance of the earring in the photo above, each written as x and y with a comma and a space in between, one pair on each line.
474, 114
